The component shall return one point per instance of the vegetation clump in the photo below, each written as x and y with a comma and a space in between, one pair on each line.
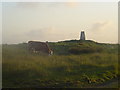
74, 64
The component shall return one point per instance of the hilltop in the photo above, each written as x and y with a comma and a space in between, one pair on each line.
69, 47
81, 47
75, 63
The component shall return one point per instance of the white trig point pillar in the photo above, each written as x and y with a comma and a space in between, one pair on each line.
82, 36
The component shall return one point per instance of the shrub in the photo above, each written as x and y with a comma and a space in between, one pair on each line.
78, 50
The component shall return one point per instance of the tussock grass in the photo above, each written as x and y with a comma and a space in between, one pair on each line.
22, 69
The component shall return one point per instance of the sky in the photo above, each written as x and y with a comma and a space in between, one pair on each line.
59, 21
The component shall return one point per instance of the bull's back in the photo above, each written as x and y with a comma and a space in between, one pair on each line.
38, 46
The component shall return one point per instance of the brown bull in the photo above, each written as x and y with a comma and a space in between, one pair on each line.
39, 47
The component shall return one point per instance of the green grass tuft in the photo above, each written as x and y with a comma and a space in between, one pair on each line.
63, 69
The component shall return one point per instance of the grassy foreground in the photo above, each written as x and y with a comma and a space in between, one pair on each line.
22, 69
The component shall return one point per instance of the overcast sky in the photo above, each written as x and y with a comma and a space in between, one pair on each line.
24, 21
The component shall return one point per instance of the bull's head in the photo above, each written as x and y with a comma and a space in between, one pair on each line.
50, 52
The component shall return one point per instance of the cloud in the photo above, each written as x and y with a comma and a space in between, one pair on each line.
71, 3
49, 33
39, 4
27, 4
36, 33
43, 34
98, 26
104, 31
39, 33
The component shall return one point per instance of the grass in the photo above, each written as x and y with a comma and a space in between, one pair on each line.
22, 69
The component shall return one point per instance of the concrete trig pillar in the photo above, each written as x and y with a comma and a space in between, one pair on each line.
82, 36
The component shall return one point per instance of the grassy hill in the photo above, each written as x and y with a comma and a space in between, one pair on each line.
74, 64
82, 47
